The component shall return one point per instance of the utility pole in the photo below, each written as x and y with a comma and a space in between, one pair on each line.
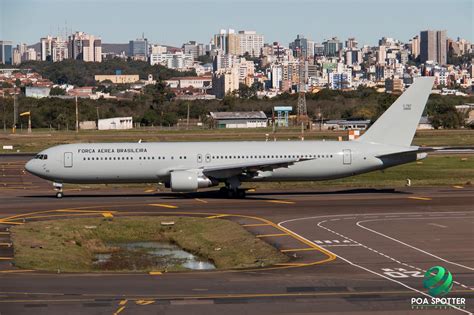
77, 117
4, 116
29, 122
15, 113
187, 119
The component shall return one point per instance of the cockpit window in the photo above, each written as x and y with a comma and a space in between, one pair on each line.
41, 156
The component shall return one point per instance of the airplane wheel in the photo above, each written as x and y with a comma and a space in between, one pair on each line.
59, 195
240, 193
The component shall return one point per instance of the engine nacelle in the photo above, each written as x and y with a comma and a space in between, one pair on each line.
188, 181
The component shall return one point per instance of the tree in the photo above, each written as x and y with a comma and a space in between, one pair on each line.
6, 85
445, 116
57, 91
205, 58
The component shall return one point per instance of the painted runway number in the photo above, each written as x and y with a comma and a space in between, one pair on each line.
402, 273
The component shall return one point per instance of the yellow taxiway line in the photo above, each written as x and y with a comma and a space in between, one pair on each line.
272, 235
297, 249
419, 198
286, 202
162, 205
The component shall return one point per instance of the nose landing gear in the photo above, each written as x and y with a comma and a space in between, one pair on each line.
59, 190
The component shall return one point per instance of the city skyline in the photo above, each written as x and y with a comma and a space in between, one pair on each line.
180, 28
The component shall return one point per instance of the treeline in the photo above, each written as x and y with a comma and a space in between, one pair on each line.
157, 107
80, 73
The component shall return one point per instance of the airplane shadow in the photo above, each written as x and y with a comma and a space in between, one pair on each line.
215, 194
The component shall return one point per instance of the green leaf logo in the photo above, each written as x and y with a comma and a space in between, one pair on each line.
438, 281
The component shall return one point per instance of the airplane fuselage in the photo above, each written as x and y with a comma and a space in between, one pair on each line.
152, 162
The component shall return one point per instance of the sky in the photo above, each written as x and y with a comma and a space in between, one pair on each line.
174, 22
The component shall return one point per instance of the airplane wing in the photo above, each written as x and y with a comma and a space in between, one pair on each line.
248, 168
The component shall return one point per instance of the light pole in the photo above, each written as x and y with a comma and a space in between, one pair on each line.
77, 117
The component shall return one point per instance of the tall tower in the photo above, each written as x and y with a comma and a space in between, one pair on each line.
301, 107
301, 110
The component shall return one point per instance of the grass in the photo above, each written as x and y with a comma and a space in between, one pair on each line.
43, 139
70, 245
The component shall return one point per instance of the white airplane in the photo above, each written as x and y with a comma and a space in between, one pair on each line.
188, 166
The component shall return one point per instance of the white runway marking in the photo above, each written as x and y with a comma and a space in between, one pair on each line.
438, 225
359, 224
364, 268
412, 216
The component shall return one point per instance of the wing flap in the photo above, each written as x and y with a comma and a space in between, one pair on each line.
234, 169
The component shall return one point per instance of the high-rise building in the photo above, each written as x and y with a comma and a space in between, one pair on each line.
85, 47
53, 48
332, 47
225, 81
177, 60
441, 48
381, 55
239, 43
415, 46
16, 56
6, 52
250, 42
158, 49
138, 48
302, 47
353, 57
194, 49
433, 46
318, 49
351, 43
30, 54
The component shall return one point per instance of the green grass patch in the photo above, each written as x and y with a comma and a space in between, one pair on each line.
70, 245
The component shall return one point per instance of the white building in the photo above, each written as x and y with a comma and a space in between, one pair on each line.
85, 47
37, 91
239, 119
277, 76
116, 123
203, 82
158, 49
250, 42
178, 60
53, 48
225, 82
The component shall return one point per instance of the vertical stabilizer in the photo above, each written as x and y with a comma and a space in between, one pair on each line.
397, 126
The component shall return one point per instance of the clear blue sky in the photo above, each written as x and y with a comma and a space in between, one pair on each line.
174, 22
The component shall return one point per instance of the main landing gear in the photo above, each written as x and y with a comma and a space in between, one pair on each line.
232, 190
59, 190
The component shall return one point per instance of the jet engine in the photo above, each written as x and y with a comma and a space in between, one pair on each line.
189, 181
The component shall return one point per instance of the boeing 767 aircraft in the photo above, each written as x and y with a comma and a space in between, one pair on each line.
188, 166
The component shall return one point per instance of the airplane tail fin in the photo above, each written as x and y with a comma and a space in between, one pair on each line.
397, 126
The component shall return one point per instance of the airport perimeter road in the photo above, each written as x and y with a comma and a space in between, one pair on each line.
351, 250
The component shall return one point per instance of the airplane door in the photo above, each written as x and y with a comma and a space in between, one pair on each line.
199, 158
346, 157
208, 158
67, 159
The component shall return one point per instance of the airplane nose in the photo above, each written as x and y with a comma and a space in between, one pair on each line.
29, 166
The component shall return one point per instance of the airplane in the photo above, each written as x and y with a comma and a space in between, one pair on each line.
188, 166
